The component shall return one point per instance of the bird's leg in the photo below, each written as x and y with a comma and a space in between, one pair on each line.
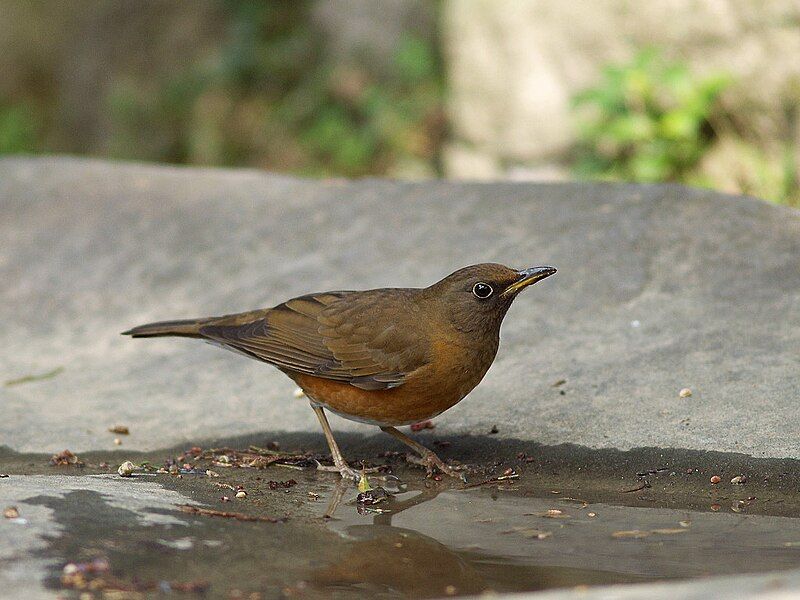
339, 463
429, 458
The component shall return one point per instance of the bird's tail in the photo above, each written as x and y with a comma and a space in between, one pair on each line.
186, 328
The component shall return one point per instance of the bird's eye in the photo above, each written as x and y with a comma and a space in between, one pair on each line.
482, 290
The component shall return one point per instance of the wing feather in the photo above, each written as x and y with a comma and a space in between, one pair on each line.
368, 339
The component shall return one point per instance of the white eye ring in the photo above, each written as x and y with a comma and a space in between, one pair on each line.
482, 290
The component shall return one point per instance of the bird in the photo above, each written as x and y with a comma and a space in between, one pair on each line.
387, 357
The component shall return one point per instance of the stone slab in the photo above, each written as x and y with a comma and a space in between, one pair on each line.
659, 288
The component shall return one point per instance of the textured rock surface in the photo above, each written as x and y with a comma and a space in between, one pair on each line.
659, 288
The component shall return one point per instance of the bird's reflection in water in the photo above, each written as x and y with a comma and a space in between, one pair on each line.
385, 558
393, 561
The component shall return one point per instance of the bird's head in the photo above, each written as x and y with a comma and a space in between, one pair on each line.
477, 297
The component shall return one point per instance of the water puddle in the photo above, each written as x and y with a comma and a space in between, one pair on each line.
429, 544
558, 525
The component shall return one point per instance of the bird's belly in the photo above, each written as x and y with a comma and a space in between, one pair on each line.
412, 402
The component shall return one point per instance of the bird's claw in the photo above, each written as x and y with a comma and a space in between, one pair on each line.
348, 472
431, 462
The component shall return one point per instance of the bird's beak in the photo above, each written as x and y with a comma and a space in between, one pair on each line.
528, 277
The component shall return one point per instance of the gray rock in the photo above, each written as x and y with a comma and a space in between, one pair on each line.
659, 288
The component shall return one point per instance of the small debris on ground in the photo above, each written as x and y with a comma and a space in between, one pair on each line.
275, 485
739, 479
241, 494
559, 382
32, 378
120, 429
126, 469
715, 479
553, 513
632, 533
96, 576
423, 425
66, 458
117, 442
530, 533
668, 531
11, 512
494, 430
208, 512
685, 393
507, 475
643, 485
372, 496
591, 514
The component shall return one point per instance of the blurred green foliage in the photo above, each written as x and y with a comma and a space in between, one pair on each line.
648, 120
18, 133
272, 97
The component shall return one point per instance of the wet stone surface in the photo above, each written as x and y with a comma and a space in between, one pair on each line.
563, 520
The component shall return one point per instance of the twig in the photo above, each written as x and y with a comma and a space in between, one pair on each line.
196, 510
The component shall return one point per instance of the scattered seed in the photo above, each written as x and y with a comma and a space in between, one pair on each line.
591, 514
126, 469
684, 523
241, 494
739, 479
11, 512
450, 590
117, 442
715, 507
685, 393
716, 479
554, 512
120, 429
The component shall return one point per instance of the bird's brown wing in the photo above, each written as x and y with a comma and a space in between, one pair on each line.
368, 339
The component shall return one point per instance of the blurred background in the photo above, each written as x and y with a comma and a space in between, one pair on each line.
704, 92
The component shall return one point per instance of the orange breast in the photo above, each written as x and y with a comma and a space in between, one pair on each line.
427, 392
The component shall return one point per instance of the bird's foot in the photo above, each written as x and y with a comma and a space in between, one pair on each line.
430, 461
346, 471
